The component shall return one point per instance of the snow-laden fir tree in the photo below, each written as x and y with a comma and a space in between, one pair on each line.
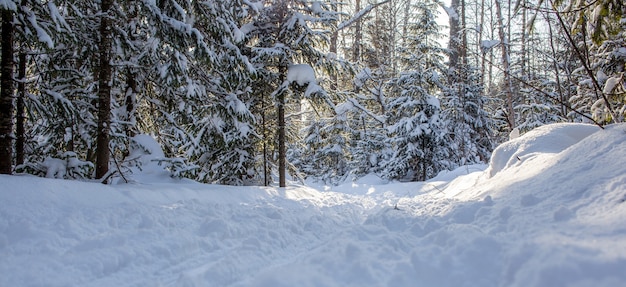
467, 124
55, 109
415, 130
283, 34
414, 119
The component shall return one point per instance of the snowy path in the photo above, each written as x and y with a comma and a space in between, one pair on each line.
538, 216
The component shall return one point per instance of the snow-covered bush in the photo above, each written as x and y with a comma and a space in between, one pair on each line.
146, 158
68, 166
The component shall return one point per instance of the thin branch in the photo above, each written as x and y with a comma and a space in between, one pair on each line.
548, 95
594, 80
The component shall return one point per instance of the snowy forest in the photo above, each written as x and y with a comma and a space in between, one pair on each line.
245, 92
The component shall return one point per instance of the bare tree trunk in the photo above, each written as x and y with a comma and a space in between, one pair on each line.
523, 45
480, 37
504, 44
266, 174
333, 49
131, 98
104, 92
356, 49
6, 94
20, 131
463, 47
454, 42
282, 154
563, 98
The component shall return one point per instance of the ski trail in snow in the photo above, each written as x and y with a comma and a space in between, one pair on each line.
293, 226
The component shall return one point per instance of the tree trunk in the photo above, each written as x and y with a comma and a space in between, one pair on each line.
523, 48
480, 38
356, 49
6, 94
131, 80
266, 174
20, 130
282, 154
131, 98
104, 93
453, 44
504, 44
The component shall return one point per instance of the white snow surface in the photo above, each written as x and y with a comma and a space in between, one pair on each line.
555, 218
303, 74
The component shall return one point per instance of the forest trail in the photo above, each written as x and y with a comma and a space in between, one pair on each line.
552, 218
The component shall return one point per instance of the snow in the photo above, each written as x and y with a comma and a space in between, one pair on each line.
42, 35
486, 45
548, 139
303, 74
610, 84
8, 5
555, 218
451, 13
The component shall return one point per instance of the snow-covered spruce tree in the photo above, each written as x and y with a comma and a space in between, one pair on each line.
468, 123
415, 130
223, 132
283, 34
368, 105
51, 107
463, 101
325, 153
413, 112
170, 86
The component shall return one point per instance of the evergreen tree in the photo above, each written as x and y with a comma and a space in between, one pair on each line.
283, 34
414, 113
415, 130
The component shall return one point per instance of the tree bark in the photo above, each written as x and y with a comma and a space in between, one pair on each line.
104, 92
453, 44
356, 49
480, 38
504, 44
282, 152
266, 174
131, 80
131, 98
20, 129
6, 94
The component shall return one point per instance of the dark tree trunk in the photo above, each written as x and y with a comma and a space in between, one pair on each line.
266, 174
6, 94
131, 96
20, 130
282, 154
104, 93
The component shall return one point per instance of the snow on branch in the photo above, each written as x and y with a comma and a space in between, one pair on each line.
303, 75
359, 15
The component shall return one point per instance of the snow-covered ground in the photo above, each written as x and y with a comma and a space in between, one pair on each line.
548, 211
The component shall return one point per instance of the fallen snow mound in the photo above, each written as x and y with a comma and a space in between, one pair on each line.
552, 138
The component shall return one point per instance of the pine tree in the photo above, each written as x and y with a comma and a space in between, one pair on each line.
414, 117
284, 34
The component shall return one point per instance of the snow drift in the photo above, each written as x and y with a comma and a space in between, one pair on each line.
553, 217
